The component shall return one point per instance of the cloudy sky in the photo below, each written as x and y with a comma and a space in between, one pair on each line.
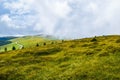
61, 18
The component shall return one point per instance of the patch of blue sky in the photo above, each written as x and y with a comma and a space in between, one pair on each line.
3, 10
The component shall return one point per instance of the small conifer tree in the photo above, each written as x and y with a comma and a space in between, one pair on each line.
23, 47
5, 49
44, 43
13, 48
62, 40
37, 45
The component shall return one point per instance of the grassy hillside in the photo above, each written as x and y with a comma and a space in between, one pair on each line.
83, 59
27, 41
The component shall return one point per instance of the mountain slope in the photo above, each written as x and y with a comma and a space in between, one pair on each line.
83, 59
26, 41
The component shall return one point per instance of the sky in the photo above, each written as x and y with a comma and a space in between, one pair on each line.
60, 18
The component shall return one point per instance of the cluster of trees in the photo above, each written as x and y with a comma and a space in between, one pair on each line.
37, 45
13, 48
46, 43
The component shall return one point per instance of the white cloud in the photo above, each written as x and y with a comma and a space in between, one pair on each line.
49, 13
7, 20
64, 18
19, 6
46, 13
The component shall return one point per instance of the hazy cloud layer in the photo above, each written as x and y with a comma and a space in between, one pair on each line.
62, 18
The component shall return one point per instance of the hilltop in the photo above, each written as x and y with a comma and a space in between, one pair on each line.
95, 58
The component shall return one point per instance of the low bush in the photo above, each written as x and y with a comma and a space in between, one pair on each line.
94, 40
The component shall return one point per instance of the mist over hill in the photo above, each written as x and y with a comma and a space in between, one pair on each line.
60, 18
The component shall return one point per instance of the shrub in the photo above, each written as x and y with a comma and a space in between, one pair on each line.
94, 40
62, 40
13, 48
5, 49
37, 45
22, 47
44, 44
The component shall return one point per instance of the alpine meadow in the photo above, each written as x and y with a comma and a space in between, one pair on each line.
59, 40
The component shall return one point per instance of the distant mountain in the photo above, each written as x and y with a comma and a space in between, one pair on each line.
7, 38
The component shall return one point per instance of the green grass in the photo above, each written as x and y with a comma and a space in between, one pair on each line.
27, 41
81, 59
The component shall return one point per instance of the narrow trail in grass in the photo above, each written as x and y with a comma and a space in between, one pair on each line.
20, 45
